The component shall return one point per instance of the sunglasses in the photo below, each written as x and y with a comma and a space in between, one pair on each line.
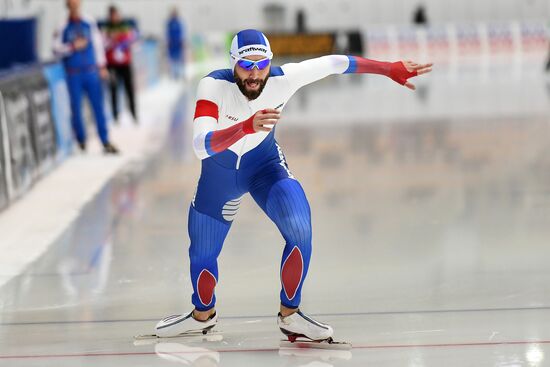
249, 64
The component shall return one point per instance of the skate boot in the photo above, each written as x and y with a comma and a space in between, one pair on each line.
304, 332
178, 325
300, 325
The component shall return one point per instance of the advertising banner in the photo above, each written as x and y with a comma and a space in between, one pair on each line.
3, 159
18, 42
17, 114
306, 44
41, 121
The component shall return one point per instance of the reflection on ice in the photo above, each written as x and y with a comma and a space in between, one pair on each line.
187, 355
301, 357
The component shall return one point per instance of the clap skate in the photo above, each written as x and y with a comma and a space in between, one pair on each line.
182, 326
304, 332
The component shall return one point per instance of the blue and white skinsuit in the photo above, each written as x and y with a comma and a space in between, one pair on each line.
254, 164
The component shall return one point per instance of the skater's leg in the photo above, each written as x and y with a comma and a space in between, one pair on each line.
210, 216
285, 202
209, 223
288, 207
207, 235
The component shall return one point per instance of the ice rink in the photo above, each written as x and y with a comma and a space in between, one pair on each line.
431, 215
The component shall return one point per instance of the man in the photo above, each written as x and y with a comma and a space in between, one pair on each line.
79, 43
119, 36
234, 126
175, 36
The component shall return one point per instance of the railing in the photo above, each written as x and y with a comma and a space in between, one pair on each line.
456, 43
448, 44
35, 119
27, 131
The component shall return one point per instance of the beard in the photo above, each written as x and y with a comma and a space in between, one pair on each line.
250, 94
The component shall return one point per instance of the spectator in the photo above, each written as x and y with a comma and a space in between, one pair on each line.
419, 16
301, 21
79, 44
119, 36
175, 34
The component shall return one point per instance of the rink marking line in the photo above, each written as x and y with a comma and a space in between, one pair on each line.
387, 346
373, 313
450, 345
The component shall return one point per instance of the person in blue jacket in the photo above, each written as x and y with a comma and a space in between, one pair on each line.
79, 43
175, 33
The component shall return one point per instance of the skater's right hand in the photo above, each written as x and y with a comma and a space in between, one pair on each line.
265, 120
80, 43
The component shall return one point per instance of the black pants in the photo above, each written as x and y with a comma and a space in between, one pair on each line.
124, 73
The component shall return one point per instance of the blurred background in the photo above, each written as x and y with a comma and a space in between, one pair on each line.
514, 19
490, 61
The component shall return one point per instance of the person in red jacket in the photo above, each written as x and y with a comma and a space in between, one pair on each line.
119, 36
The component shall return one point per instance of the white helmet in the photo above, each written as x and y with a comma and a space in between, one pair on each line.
249, 42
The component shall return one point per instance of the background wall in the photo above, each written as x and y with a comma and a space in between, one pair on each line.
215, 15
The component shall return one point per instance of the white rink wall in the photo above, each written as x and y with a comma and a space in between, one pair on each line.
48, 211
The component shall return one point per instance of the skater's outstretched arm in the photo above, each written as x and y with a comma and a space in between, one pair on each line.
309, 71
207, 139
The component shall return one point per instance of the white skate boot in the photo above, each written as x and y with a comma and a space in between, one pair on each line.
300, 325
302, 331
184, 324
181, 325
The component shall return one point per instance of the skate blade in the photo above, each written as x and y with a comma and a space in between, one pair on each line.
308, 344
199, 334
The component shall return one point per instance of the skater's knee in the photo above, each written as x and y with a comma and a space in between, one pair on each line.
207, 235
203, 253
296, 229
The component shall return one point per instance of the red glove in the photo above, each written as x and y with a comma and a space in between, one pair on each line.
399, 73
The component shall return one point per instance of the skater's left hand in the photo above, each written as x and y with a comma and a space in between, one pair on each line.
401, 71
